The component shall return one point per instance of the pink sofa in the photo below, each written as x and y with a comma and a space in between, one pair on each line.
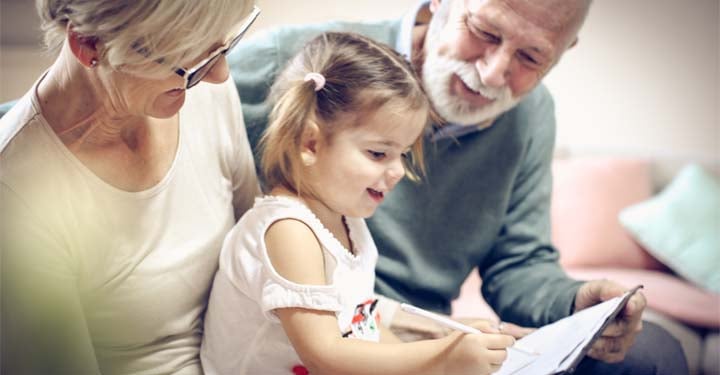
588, 195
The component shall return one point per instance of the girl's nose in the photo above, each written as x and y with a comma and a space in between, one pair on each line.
395, 173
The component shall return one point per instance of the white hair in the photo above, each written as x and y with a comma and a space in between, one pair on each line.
133, 34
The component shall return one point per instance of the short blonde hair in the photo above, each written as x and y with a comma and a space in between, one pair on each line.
134, 33
361, 75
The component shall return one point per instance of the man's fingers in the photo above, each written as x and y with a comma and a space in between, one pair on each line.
514, 330
617, 328
610, 344
617, 338
621, 327
611, 349
635, 306
604, 356
604, 290
596, 291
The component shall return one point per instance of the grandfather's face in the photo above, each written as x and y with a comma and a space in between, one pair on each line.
483, 56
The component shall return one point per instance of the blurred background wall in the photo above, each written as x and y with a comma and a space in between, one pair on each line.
643, 81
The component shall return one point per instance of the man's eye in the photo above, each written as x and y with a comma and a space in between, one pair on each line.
376, 155
481, 34
528, 58
488, 37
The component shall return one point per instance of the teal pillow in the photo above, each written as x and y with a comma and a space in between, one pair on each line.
681, 226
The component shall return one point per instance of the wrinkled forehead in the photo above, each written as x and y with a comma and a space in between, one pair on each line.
551, 15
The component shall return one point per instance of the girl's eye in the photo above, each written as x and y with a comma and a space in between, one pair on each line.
376, 155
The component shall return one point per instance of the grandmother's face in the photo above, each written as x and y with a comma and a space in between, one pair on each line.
159, 98
131, 94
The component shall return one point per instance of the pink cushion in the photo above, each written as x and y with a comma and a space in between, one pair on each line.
588, 194
664, 292
470, 303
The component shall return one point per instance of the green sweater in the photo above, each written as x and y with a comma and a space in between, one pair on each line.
484, 202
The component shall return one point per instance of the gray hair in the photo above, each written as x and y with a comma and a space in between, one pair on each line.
130, 34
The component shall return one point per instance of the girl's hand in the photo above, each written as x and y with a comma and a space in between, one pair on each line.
476, 354
489, 326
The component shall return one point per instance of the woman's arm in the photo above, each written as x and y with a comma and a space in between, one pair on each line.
43, 324
296, 255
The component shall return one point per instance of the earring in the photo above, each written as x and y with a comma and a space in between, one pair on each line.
93, 63
307, 159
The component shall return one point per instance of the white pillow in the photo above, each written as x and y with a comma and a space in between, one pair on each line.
681, 226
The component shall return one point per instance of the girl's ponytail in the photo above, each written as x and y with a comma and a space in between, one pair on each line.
281, 144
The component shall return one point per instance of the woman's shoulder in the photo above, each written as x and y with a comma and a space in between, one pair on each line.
29, 150
21, 116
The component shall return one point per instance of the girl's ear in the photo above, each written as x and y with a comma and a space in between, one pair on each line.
309, 142
84, 48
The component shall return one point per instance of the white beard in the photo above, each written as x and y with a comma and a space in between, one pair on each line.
437, 72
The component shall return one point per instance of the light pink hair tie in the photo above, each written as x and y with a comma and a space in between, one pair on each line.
317, 78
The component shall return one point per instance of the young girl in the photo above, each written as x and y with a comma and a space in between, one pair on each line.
294, 292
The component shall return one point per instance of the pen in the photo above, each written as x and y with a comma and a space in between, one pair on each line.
449, 323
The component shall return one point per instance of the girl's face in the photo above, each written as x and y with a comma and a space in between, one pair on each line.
357, 166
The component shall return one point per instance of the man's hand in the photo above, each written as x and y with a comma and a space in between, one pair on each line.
617, 338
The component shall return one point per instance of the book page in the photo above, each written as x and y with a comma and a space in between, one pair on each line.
557, 347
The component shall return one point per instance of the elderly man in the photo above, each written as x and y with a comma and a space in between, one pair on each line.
485, 200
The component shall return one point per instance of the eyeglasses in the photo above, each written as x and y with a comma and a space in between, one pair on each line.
195, 74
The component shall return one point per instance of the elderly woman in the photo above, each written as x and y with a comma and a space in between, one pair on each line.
122, 169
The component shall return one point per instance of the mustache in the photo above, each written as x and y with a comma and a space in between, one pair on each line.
470, 76
438, 71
